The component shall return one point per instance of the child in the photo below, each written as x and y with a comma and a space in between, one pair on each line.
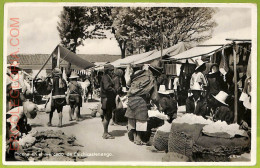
167, 104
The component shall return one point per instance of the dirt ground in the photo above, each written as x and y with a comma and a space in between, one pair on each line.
89, 134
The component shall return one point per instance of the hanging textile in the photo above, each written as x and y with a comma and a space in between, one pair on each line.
248, 71
224, 59
170, 69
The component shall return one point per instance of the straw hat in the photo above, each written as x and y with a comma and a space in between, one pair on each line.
156, 65
196, 86
221, 97
14, 66
109, 67
162, 90
30, 109
73, 75
199, 63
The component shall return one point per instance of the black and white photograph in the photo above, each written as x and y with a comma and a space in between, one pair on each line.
129, 84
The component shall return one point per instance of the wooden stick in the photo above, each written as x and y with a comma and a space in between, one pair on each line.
235, 82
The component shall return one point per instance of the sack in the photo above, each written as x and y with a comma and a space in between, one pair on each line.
142, 84
160, 141
48, 105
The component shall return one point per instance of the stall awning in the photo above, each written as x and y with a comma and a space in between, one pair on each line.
196, 52
212, 45
71, 57
131, 59
171, 51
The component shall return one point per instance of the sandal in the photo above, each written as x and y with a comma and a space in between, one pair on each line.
49, 124
108, 136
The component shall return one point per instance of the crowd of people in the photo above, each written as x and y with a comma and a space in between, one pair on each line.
132, 92
208, 96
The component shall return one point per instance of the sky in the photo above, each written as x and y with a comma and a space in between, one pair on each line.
39, 35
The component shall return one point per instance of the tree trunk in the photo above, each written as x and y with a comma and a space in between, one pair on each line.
68, 69
122, 45
147, 48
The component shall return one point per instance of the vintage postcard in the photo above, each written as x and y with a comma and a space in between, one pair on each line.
129, 84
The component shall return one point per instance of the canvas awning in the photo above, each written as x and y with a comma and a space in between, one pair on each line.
71, 57
171, 51
196, 52
131, 59
212, 45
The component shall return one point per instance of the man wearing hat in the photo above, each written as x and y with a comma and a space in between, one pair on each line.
58, 95
167, 104
196, 104
221, 110
197, 76
108, 95
75, 92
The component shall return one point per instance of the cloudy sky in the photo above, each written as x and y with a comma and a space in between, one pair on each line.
38, 32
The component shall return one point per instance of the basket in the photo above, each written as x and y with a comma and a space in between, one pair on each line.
220, 150
188, 140
160, 140
181, 143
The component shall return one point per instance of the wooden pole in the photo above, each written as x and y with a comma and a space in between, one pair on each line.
235, 82
161, 32
58, 58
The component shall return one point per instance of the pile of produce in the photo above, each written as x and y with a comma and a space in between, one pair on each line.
222, 129
192, 119
49, 146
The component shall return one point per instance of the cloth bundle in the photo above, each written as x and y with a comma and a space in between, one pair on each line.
189, 140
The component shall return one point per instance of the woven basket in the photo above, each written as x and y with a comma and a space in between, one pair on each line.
160, 140
181, 143
220, 153
189, 141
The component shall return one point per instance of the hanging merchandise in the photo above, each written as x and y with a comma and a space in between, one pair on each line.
224, 59
170, 69
248, 71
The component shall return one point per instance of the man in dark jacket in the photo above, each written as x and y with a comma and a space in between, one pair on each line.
108, 95
215, 80
196, 104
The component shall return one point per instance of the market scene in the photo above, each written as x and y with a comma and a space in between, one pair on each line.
176, 92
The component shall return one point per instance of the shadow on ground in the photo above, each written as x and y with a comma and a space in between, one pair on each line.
118, 133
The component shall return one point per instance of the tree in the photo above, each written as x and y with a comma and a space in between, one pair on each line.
142, 28
136, 28
72, 26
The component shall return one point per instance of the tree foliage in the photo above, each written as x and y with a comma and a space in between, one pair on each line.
141, 29
72, 25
